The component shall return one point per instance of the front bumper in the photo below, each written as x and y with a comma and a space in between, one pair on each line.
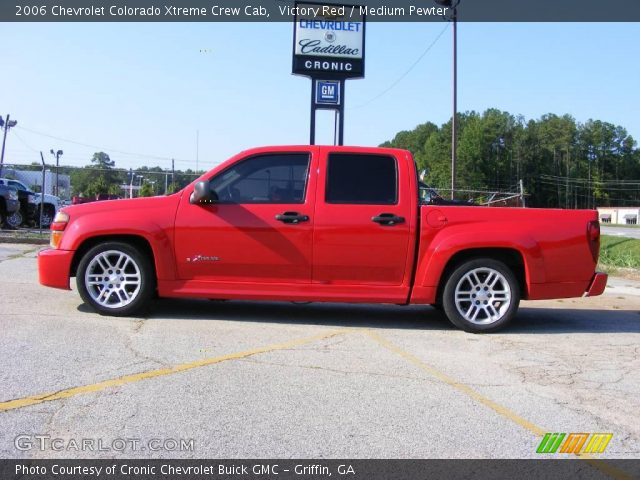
597, 285
54, 268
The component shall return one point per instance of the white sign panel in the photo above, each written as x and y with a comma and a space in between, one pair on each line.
329, 38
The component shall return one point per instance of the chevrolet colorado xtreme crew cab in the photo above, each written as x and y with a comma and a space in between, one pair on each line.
326, 224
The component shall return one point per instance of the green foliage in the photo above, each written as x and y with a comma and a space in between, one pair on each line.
97, 178
619, 252
562, 163
172, 188
146, 190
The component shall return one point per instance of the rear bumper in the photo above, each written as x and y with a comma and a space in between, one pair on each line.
597, 285
54, 267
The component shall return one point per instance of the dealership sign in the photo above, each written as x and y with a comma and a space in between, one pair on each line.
328, 41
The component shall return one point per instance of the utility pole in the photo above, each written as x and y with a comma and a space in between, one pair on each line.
43, 190
57, 155
454, 124
7, 125
173, 174
131, 183
453, 4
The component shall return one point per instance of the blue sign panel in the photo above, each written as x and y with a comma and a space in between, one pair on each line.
327, 92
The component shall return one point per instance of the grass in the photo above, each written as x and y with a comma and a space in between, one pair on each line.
24, 236
619, 252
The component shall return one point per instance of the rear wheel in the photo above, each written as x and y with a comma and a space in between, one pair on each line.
15, 219
115, 278
481, 295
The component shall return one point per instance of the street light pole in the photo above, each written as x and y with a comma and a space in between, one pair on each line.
7, 125
57, 155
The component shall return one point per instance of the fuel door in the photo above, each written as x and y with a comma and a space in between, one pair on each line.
436, 219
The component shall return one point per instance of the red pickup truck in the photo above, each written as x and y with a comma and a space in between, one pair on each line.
325, 224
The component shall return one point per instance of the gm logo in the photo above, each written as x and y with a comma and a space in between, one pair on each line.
573, 443
328, 92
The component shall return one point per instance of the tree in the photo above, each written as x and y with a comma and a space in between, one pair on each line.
562, 162
146, 190
98, 178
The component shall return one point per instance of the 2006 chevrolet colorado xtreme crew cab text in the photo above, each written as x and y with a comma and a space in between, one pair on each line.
322, 223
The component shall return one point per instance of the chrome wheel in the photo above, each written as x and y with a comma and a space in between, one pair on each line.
113, 279
483, 296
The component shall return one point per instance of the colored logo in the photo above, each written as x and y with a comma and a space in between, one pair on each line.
574, 443
328, 92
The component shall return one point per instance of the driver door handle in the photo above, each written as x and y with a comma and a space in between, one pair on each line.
292, 217
387, 219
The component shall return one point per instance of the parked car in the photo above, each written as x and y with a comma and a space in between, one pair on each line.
31, 202
329, 224
77, 200
9, 204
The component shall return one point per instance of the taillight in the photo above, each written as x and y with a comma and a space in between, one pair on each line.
57, 228
593, 237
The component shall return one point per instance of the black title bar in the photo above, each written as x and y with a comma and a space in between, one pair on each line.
283, 11
240, 469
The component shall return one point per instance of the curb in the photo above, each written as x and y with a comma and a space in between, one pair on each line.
24, 240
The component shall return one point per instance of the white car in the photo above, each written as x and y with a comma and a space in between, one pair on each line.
51, 203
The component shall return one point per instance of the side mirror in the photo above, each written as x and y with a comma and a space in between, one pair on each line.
202, 194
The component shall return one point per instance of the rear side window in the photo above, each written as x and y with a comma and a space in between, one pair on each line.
361, 179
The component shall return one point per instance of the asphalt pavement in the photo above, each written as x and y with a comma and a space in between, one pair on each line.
201, 379
620, 231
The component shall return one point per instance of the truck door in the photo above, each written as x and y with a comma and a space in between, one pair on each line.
259, 230
364, 220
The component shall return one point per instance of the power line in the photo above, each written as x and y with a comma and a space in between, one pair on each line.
114, 170
113, 150
402, 77
24, 143
592, 181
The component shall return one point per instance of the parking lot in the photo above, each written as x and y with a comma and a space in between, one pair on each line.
261, 380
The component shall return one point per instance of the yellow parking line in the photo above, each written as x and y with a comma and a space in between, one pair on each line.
136, 377
504, 411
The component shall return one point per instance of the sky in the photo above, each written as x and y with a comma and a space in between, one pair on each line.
200, 92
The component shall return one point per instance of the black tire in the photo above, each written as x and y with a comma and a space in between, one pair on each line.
481, 306
15, 219
48, 213
117, 289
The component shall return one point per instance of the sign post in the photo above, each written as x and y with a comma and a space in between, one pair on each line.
328, 47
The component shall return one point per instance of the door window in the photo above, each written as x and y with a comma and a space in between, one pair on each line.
273, 178
361, 179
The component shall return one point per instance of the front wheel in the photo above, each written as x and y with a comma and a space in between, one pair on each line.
115, 278
48, 214
481, 295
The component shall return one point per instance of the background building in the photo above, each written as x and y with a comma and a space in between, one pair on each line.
619, 215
